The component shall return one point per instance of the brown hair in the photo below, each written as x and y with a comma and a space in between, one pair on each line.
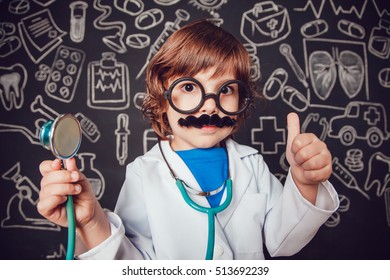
193, 48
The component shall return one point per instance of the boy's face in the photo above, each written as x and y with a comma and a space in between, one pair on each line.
207, 136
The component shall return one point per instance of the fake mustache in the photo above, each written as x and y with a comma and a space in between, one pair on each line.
205, 120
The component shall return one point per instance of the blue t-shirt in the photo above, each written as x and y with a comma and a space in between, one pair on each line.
210, 169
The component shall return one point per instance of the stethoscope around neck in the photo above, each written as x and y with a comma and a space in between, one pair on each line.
210, 211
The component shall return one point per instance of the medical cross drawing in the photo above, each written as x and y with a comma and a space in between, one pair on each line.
372, 116
268, 136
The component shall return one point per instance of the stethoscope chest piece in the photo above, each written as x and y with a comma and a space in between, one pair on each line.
62, 136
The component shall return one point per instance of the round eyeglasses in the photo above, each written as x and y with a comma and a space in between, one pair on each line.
187, 95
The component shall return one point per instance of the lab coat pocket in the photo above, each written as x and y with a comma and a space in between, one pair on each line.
246, 225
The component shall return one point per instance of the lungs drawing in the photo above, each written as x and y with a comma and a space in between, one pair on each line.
351, 72
323, 72
322, 68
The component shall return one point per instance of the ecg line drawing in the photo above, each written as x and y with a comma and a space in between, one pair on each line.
349, 7
315, 6
382, 7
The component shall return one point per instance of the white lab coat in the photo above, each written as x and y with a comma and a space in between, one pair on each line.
153, 221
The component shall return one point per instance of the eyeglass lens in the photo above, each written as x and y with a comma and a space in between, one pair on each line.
188, 95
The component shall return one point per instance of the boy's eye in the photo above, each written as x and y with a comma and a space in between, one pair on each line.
188, 88
226, 90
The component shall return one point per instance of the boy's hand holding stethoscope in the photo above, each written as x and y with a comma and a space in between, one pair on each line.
309, 158
56, 184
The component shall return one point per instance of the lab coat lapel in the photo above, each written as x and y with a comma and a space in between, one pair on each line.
241, 177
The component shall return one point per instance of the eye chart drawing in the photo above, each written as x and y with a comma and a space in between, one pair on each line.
108, 84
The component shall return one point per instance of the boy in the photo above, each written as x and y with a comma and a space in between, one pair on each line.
198, 192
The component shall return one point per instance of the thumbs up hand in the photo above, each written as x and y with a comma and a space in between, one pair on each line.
309, 159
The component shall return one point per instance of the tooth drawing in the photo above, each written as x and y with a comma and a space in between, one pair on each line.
12, 83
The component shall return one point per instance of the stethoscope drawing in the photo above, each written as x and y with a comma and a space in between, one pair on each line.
63, 137
210, 211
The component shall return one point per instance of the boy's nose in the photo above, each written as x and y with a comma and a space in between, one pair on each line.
209, 106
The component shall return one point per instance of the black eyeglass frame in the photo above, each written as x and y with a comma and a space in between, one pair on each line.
168, 95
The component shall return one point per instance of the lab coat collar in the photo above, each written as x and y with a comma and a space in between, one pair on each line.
239, 173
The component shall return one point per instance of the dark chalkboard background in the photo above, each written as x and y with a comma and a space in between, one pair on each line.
326, 60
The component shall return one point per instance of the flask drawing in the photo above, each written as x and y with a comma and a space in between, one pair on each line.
108, 84
94, 176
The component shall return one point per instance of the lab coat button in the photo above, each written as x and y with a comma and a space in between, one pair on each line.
218, 250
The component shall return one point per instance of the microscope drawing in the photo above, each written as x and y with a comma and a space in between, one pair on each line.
21, 207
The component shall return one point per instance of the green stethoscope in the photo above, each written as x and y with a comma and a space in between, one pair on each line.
63, 137
210, 211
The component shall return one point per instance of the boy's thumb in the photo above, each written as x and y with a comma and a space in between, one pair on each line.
294, 128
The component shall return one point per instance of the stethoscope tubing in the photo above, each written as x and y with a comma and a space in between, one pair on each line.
71, 228
210, 211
